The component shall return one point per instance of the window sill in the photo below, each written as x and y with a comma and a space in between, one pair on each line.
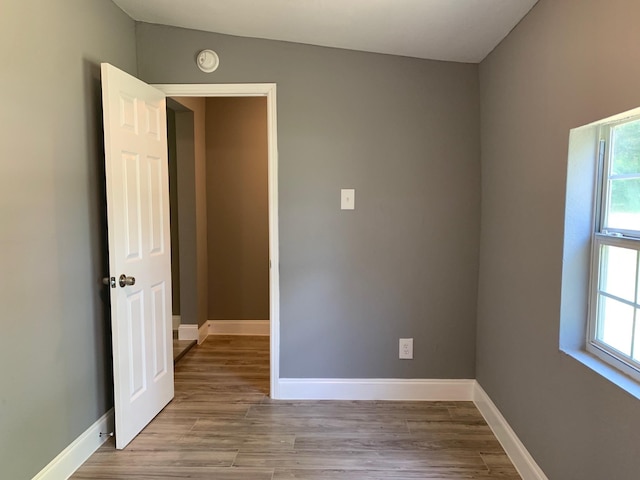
615, 376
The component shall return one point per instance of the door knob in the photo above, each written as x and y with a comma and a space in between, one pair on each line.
109, 281
124, 280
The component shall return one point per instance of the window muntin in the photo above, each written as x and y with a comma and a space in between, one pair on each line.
614, 319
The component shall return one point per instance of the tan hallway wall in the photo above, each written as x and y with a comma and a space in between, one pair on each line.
237, 208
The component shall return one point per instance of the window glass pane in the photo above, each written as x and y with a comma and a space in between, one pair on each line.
636, 343
626, 148
624, 204
618, 275
615, 324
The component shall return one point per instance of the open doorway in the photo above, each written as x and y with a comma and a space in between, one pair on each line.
227, 207
187, 241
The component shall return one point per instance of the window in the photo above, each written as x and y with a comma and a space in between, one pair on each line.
614, 310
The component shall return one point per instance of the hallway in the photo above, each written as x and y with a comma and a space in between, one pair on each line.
222, 425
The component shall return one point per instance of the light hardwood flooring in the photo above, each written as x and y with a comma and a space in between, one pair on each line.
222, 425
180, 348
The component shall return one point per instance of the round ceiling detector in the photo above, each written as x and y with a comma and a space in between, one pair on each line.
208, 61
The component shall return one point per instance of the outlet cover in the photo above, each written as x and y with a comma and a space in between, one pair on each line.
406, 348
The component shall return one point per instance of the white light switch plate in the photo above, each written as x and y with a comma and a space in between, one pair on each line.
347, 199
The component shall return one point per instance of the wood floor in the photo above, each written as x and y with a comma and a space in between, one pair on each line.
222, 425
181, 347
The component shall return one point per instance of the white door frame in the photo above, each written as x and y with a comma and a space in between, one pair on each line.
267, 90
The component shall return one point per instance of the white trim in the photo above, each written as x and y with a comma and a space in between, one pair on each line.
274, 243
216, 89
267, 90
79, 451
375, 389
518, 454
239, 327
188, 331
203, 332
175, 320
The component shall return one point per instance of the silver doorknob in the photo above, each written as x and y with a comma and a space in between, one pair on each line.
110, 281
124, 280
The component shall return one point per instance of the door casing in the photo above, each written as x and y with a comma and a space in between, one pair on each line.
267, 90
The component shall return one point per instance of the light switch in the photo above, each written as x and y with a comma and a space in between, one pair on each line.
347, 199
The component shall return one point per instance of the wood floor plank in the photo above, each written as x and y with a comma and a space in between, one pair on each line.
192, 408
166, 424
431, 474
358, 460
330, 411
222, 425
356, 426
249, 397
266, 442
153, 441
453, 426
390, 442
166, 458
134, 472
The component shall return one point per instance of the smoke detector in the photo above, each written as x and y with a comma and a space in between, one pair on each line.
208, 61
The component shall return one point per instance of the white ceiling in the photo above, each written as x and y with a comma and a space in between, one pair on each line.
454, 30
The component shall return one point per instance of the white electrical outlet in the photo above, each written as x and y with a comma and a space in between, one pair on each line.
406, 348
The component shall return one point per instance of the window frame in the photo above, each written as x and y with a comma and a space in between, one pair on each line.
615, 237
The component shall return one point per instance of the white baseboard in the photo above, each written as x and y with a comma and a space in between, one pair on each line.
375, 389
188, 332
175, 321
193, 332
239, 327
516, 451
72, 457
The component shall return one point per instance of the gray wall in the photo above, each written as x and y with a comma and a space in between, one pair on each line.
404, 133
237, 208
55, 365
566, 64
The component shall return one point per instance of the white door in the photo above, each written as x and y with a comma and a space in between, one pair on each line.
135, 137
